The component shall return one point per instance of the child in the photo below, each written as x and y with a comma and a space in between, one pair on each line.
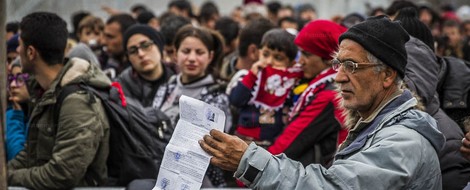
262, 93
89, 31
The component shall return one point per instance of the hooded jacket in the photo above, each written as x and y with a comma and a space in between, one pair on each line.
454, 88
72, 152
421, 77
397, 149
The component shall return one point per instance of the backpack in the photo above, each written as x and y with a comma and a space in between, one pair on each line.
454, 87
138, 135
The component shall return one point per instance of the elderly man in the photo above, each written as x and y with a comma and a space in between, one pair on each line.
391, 144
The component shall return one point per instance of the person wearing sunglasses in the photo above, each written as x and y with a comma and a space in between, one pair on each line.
144, 49
390, 145
16, 112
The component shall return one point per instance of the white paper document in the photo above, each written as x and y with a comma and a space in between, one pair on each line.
184, 162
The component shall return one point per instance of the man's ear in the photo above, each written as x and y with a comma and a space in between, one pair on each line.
253, 52
174, 56
31, 52
390, 76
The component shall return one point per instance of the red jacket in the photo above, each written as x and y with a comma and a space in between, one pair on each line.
316, 124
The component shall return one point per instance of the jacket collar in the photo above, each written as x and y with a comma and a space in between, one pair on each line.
366, 129
73, 69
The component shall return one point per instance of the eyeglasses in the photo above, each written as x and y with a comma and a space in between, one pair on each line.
20, 79
144, 46
349, 66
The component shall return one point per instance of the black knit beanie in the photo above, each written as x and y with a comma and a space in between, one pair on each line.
382, 38
145, 30
409, 20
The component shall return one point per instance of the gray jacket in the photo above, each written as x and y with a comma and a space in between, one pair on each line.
397, 150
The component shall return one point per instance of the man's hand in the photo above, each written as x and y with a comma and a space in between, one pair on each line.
465, 148
226, 149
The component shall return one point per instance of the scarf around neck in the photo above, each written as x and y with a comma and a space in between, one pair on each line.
321, 79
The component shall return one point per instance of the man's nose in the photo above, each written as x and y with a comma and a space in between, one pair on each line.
341, 76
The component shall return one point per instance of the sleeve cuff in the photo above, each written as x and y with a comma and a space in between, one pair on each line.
15, 115
253, 162
249, 80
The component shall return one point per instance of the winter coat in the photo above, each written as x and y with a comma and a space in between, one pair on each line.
139, 89
454, 88
15, 132
315, 127
72, 152
397, 149
421, 77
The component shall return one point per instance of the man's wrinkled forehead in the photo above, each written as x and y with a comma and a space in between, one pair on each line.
349, 49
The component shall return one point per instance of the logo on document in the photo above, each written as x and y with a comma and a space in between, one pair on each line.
185, 187
164, 183
177, 156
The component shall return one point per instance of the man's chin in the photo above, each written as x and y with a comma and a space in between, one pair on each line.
348, 105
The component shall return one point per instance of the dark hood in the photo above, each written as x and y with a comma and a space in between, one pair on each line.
421, 74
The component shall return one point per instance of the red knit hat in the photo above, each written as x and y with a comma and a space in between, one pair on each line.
245, 2
320, 37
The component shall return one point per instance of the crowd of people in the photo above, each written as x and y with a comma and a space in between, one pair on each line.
358, 101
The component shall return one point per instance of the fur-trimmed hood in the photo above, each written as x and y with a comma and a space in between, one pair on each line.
77, 70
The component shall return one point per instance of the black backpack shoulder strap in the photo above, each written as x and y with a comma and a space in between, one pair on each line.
66, 91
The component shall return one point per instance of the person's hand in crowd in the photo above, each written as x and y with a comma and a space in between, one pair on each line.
226, 149
14, 100
465, 148
258, 66
109, 10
